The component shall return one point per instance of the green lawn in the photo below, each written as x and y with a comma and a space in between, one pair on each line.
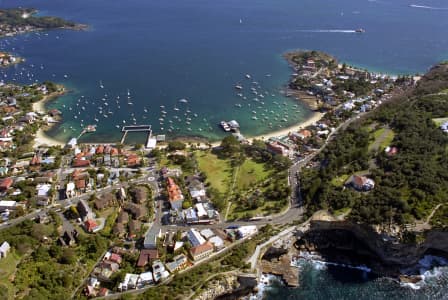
342, 212
264, 210
382, 138
440, 121
8, 268
340, 180
218, 171
250, 173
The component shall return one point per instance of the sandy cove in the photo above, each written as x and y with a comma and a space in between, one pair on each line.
316, 117
41, 138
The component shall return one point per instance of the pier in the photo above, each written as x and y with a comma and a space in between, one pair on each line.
136, 128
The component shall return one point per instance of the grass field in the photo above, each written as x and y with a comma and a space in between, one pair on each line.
382, 138
7, 268
264, 210
250, 173
340, 180
219, 171
440, 121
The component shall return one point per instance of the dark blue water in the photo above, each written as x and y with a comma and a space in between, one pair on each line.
162, 51
332, 282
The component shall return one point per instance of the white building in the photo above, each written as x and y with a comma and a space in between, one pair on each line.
5, 204
145, 279
43, 193
72, 143
195, 237
151, 237
245, 231
207, 233
129, 282
4, 249
151, 144
202, 213
70, 190
159, 271
217, 242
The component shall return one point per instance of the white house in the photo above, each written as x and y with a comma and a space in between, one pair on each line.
4, 249
72, 143
145, 279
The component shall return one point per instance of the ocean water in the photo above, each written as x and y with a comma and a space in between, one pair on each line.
163, 51
331, 281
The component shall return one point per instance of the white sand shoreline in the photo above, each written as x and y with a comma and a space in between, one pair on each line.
315, 117
41, 138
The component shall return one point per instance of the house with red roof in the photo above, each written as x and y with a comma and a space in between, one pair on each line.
362, 183
81, 163
35, 161
175, 195
133, 160
115, 258
99, 149
147, 256
90, 225
5, 184
201, 251
80, 185
276, 147
114, 151
391, 151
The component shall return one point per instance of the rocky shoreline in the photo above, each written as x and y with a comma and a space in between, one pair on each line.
229, 287
353, 244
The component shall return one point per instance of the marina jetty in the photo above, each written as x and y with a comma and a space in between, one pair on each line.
137, 128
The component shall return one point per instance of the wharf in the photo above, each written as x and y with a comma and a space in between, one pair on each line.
136, 128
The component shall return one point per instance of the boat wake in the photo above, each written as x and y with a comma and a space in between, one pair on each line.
319, 264
327, 31
428, 7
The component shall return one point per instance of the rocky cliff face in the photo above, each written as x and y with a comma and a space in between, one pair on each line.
228, 287
356, 244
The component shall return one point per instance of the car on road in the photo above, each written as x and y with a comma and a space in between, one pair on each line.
233, 227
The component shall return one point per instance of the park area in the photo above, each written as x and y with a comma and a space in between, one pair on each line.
382, 138
244, 185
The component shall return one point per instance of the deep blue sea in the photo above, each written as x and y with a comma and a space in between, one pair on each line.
159, 52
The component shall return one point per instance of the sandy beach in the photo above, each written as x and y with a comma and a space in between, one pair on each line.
316, 116
39, 106
41, 137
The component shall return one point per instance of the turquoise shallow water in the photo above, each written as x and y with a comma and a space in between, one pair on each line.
164, 51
